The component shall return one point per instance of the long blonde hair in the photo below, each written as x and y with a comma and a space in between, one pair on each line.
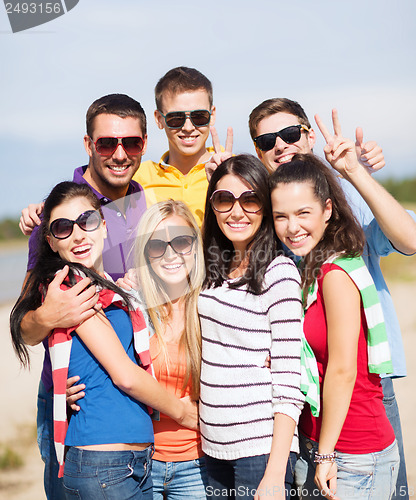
157, 300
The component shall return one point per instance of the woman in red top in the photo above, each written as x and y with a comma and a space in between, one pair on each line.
350, 449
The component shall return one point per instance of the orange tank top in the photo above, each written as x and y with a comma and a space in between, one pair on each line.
173, 443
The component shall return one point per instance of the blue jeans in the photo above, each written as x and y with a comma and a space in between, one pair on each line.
54, 488
392, 411
240, 478
110, 475
177, 480
369, 475
290, 476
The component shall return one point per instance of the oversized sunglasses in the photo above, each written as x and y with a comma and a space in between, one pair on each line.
87, 221
266, 142
177, 119
106, 146
181, 245
223, 201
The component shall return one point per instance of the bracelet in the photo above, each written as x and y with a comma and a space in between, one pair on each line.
320, 459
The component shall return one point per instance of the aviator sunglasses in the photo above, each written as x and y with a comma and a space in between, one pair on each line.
223, 201
87, 221
266, 142
106, 146
177, 119
181, 245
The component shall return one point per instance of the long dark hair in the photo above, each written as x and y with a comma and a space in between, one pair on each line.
218, 249
343, 233
48, 263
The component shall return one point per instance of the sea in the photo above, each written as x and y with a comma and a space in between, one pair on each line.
13, 260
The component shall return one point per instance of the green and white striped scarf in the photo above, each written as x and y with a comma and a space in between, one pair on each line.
379, 357
309, 376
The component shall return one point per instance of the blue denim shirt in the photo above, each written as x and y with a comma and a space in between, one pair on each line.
378, 246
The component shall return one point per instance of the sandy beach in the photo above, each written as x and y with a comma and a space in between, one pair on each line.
19, 390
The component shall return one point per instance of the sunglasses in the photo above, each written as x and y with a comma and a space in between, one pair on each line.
223, 201
177, 119
106, 146
266, 142
181, 245
87, 221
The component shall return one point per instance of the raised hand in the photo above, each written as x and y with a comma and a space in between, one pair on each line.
219, 156
339, 151
369, 154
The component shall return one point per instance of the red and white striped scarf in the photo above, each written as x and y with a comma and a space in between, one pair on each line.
60, 342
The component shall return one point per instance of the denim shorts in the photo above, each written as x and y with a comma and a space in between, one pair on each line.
177, 480
365, 476
111, 475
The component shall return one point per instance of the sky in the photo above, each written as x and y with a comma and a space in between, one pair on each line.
357, 56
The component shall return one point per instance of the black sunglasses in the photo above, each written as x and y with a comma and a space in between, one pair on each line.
181, 245
87, 221
177, 119
223, 201
266, 142
106, 146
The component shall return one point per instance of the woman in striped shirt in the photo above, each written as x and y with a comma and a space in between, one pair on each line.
250, 307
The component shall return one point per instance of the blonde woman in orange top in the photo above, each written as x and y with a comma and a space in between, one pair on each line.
170, 270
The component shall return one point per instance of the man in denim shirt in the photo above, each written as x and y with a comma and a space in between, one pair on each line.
388, 227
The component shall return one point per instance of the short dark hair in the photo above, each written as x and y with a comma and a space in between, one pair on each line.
116, 104
182, 79
218, 249
273, 106
343, 233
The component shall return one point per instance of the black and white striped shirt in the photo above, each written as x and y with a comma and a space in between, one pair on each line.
239, 395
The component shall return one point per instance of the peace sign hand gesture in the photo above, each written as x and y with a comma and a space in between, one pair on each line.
369, 154
339, 151
219, 156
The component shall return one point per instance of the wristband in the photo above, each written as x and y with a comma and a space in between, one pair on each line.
320, 459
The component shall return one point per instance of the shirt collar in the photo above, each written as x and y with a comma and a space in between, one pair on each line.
134, 187
163, 163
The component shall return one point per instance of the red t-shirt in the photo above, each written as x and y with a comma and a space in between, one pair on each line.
366, 428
